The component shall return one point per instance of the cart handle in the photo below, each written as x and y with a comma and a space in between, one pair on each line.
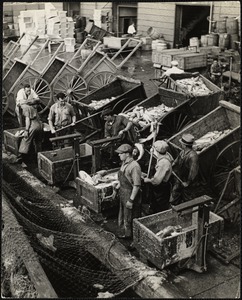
139, 42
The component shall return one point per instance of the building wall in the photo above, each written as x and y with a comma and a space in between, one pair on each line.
161, 15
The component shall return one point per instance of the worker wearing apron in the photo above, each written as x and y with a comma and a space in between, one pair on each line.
33, 132
186, 168
160, 183
129, 189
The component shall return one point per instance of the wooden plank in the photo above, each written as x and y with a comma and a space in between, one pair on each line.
30, 259
229, 106
153, 283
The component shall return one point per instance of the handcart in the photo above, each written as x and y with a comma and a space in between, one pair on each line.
220, 157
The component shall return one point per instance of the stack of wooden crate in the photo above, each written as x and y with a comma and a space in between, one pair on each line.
70, 44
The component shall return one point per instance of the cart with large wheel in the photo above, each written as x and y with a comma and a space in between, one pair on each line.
172, 109
220, 156
11, 48
97, 70
22, 72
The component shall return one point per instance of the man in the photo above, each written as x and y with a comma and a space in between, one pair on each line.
185, 168
61, 114
117, 125
26, 94
160, 182
174, 69
215, 71
33, 130
129, 189
131, 29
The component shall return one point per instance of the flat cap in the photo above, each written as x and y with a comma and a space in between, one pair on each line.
174, 63
124, 149
161, 146
187, 139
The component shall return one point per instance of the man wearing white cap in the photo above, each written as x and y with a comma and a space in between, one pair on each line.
129, 189
174, 69
185, 167
161, 186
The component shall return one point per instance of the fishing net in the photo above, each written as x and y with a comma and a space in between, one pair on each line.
63, 250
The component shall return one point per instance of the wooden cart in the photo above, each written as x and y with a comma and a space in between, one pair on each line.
124, 90
11, 48
186, 109
219, 159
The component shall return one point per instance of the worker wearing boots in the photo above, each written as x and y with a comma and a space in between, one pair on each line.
185, 169
129, 189
33, 131
161, 185
24, 95
117, 125
61, 114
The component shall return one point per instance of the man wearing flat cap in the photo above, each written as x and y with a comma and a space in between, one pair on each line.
174, 69
118, 125
33, 130
186, 168
161, 185
129, 189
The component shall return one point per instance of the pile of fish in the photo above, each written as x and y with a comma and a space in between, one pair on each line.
209, 138
101, 179
96, 104
169, 231
145, 116
194, 86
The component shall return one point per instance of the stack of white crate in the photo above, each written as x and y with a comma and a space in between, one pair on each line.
70, 44
26, 25
39, 22
97, 17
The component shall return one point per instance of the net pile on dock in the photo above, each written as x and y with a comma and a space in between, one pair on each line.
62, 250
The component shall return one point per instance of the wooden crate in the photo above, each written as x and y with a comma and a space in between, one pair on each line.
55, 165
171, 249
190, 60
12, 142
114, 42
97, 198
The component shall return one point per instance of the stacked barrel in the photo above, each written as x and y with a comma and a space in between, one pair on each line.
226, 34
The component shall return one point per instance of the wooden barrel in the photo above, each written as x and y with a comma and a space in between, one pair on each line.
221, 25
153, 33
212, 39
234, 38
232, 26
224, 41
80, 22
204, 40
194, 42
155, 43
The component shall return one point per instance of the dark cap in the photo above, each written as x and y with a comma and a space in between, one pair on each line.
107, 112
125, 148
187, 139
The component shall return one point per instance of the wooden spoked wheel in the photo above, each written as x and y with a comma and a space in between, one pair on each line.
222, 179
99, 80
172, 123
41, 88
73, 86
4, 101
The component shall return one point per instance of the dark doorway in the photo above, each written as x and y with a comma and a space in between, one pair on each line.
191, 21
72, 8
124, 14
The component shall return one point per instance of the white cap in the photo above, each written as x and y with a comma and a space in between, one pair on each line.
174, 63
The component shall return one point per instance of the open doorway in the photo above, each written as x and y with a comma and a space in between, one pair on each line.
123, 16
191, 21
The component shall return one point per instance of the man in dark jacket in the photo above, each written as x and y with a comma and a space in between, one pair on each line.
186, 168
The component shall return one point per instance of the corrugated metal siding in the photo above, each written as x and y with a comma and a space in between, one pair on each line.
160, 15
